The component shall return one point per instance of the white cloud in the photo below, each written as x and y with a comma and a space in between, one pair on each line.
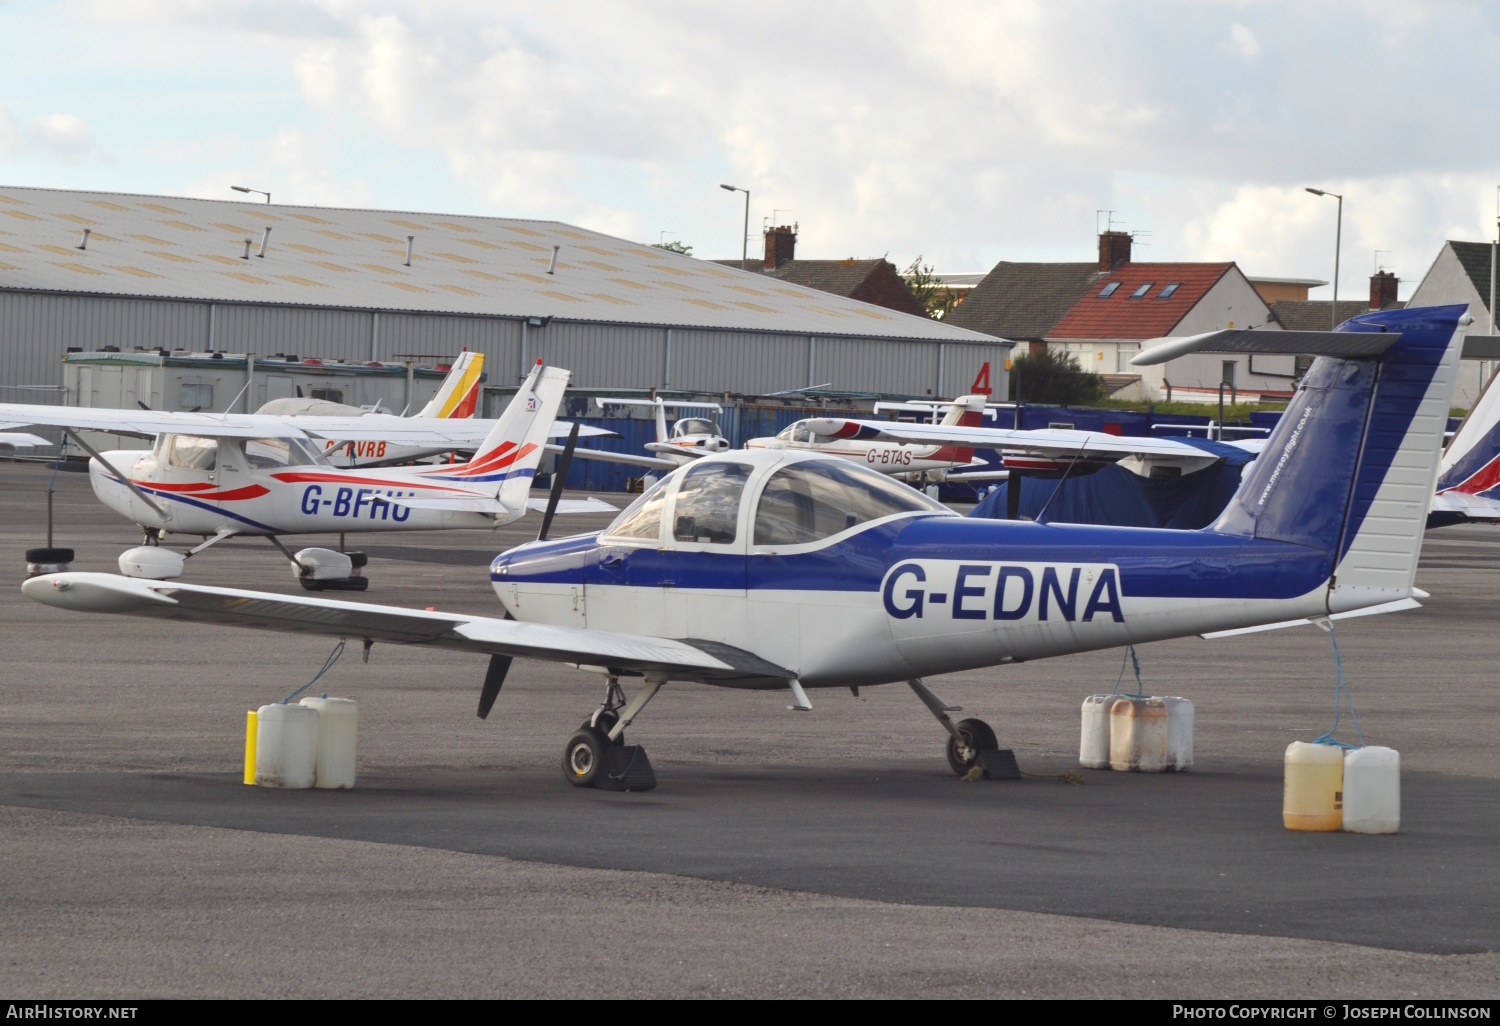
8, 134
52, 138
1243, 42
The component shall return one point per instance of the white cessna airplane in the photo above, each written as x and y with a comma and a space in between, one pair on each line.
791, 570
222, 475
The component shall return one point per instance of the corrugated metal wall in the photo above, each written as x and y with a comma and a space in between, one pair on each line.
36, 329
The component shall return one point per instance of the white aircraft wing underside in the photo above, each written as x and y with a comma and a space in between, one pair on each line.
570, 506
1049, 442
166, 600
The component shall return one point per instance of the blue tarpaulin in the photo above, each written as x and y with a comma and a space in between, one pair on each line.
1117, 497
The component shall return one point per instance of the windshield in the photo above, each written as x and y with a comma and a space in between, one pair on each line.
708, 503
642, 518
816, 499
275, 453
797, 432
693, 426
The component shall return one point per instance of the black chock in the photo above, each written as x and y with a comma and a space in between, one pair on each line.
626, 768
999, 764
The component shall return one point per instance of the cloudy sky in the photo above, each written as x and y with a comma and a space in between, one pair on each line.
968, 132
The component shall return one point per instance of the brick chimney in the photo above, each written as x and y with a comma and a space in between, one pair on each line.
1382, 289
1114, 250
781, 245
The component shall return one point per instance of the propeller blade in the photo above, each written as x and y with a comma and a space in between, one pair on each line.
143, 406
559, 477
493, 678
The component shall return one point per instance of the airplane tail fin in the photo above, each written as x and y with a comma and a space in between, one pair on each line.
966, 411
459, 394
1471, 463
506, 462
1351, 466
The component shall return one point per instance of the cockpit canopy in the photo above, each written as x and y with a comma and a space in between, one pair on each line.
195, 452
694, 426
798, 432
799, 502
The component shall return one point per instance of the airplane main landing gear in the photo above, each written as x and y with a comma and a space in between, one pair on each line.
966, 738
597, 755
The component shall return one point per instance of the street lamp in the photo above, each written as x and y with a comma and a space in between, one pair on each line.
1338, 238
258, 192
745, 236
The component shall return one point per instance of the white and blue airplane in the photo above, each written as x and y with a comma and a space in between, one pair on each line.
776, 569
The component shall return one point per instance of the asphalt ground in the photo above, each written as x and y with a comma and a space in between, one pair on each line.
828, 854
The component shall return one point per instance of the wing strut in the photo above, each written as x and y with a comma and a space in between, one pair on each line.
112, 472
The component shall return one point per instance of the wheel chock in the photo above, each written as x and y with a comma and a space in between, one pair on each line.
999, 764
626, 768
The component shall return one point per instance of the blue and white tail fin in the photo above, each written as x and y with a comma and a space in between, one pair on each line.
1351, 467
505, 464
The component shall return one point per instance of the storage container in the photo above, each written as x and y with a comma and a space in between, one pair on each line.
286, 746
1093, 746
1372, 791
1138, 735
1312, 798
338, 726
1179, 733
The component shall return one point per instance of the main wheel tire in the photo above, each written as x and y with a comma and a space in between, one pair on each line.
583, 757
978, 737
607, 721
358, 559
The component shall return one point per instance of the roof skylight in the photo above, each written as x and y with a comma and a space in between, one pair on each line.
1167, 291
1141, 289
1109, 290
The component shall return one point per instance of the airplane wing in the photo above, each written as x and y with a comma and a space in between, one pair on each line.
465, 433
166, 600
618, 457
21, 439
1049, 442
149, 423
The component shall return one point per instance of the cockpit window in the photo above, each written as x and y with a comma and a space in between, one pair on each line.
275, 453
193, 453
819, 498
642, 518
693, 426
708, 503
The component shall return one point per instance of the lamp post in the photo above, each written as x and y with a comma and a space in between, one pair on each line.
745, 235
1338, 239
258, 192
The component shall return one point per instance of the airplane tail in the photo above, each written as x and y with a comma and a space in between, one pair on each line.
1351, 466
1471, 463
506, 462
459, 394
966, 411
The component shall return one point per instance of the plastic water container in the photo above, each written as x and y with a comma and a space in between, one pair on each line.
1093, 745
286, 746
1179, 733
1138, 735
338, 725
1313, 798
1372, 791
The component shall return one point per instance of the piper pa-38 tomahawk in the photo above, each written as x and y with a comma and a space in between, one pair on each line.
219, 476
792, 570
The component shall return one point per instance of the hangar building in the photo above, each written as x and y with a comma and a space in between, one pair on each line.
92, 270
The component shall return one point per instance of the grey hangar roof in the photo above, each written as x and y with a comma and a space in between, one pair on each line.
194, 249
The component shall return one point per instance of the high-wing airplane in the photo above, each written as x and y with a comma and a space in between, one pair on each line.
219, 476
887, 454
690, 437
791, 570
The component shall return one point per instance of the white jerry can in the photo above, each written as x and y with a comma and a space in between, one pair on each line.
1372, 791
338, 728
1138, 735
1179, 733
1093, 745
286, 746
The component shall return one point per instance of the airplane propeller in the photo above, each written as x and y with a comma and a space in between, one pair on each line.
559, 476
493, 678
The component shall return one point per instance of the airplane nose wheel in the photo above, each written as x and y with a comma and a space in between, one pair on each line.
583, 757
977, 736
597, 756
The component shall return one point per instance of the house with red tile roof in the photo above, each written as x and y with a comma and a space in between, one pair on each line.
1129, 302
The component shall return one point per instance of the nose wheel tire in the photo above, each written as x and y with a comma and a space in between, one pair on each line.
583, 757
605, 723
978, 737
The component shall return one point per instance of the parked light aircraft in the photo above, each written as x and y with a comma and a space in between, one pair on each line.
794, 570
690, 437
888, 455
219, 476
1468, 488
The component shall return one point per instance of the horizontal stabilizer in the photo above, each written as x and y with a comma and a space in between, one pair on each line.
21, 440
1386, 607
617, 457
1349, 345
